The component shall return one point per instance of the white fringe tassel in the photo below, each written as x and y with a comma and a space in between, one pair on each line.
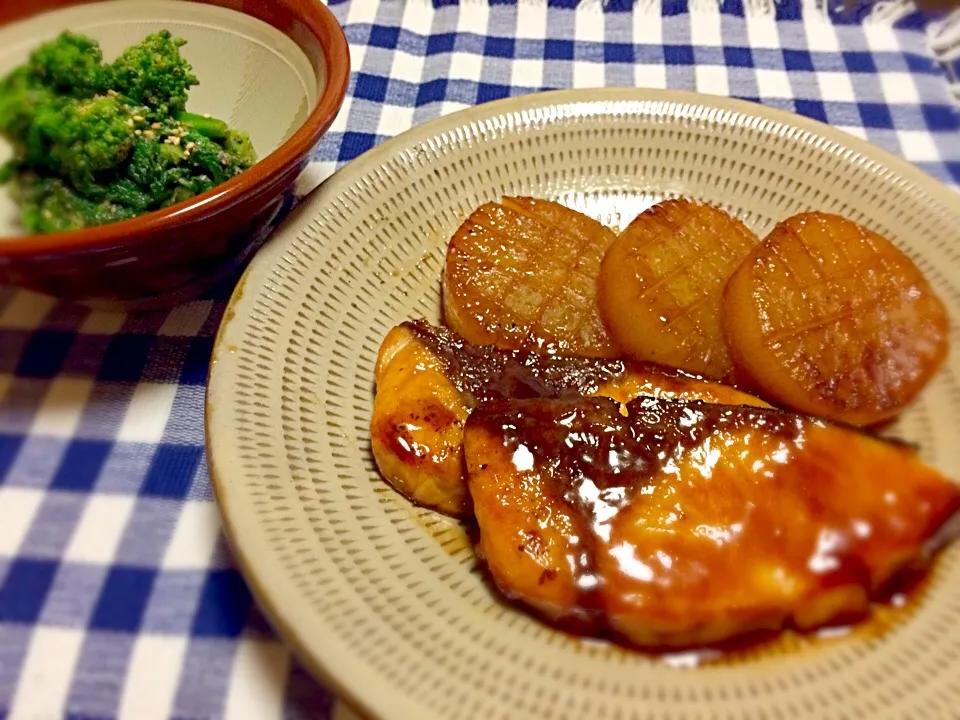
881, 12
943, 37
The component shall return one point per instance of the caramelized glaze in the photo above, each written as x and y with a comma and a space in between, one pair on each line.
428, 379
828, 318
522, 273
684, 523
661, 282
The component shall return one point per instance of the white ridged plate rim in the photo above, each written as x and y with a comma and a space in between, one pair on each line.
333, 659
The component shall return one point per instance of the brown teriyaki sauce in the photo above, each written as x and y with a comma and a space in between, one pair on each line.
593, 444
606, 451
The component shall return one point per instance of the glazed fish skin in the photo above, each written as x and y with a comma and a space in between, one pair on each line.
428, 379
522, 274
688, 523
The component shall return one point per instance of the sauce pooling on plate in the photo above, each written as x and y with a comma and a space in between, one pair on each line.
672, 523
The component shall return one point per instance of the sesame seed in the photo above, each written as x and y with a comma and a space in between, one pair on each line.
138, 118
175, 140
148, 134
156, 126
191, 145
112, 93
207, 115
138, 132
129, 122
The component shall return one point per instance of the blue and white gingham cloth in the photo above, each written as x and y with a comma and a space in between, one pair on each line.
117, 593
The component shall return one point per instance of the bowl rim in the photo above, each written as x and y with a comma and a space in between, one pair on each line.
324, 26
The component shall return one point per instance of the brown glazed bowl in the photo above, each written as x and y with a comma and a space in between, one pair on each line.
277, 69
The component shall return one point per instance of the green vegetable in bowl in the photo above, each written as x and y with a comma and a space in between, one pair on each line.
96, 143
154, 74
208, 127
79, 140
72, 66
50, 205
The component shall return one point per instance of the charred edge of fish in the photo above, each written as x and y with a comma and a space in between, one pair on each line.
488, 373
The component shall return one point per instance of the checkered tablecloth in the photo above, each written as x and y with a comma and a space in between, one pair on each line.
117, 593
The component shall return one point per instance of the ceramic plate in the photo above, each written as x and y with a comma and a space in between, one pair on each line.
386, 601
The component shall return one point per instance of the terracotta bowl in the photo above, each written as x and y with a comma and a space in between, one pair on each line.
276, 69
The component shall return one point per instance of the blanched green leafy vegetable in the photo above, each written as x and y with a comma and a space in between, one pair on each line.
238, 146
206, 126
21, 96
78, 140
95, 143
154, 74
50, 205
70, 65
